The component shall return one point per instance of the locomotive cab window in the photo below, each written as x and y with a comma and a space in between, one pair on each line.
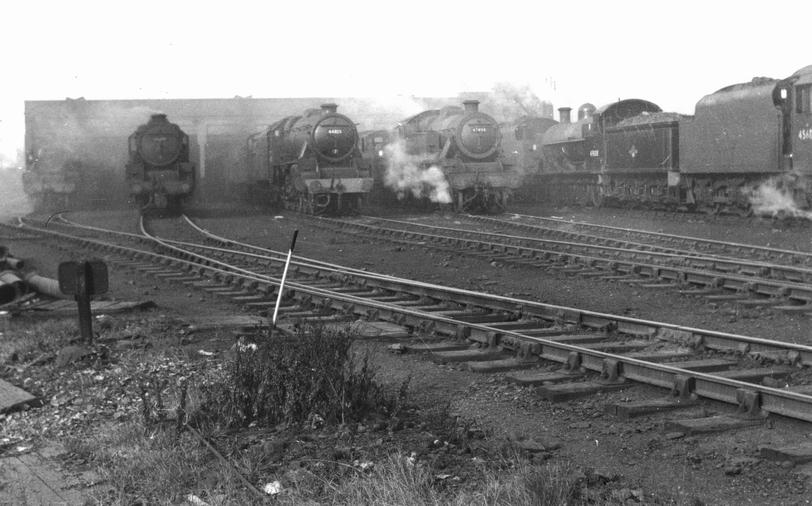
803, 99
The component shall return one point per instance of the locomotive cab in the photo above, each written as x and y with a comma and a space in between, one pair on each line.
801, 129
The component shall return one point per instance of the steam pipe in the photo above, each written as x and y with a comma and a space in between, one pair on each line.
13, 263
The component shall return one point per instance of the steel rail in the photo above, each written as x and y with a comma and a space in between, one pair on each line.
765, 251
670, 256
745, 285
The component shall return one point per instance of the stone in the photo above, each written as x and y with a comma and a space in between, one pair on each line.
70, 354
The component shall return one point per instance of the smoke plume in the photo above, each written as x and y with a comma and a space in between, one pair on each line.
404, 175
509, 102
774, 198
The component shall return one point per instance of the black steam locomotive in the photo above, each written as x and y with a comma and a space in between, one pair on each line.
310, 163
450, 156
159, 173
744, 140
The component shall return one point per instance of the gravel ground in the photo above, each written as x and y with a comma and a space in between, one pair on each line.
717, 469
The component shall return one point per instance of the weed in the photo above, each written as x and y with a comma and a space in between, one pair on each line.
316, 377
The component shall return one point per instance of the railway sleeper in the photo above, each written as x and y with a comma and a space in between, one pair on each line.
568, 391
627, 410
468, 355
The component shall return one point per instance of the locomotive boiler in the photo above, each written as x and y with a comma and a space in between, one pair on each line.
310, 163
522, 151
159, 173
464, 145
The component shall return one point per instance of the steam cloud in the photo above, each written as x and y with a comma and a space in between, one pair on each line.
774, 198
13, 201
509, 102
404, 175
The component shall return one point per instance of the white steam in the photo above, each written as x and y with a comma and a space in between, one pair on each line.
508, 102
405, 175
774, 198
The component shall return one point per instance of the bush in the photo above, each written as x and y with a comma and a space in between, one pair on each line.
316, 377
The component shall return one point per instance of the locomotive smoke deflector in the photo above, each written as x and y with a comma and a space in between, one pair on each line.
471, 106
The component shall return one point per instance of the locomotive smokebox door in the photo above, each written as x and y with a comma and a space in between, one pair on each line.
94, 272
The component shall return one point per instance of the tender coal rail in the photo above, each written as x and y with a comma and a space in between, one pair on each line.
501, 333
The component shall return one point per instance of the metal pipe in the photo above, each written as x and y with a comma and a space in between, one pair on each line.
13, 263
45, 286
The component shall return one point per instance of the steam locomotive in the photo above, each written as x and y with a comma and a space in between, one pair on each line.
744, 139
450, 156
310, 163
159, 173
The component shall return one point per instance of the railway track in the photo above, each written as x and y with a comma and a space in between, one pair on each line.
719, 278
554, 228
491, 333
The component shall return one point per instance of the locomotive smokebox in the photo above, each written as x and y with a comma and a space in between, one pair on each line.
564, 114
329, 108
471, 106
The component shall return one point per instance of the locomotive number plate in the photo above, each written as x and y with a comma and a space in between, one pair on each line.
335, 131
805, 134
479, 130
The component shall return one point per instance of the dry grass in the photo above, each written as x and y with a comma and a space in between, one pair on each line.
159, 467
47, 337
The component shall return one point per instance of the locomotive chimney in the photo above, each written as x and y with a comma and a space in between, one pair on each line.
564, 114
471, 105
157, 117
328, 108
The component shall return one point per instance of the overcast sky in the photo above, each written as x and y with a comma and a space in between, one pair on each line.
568, 52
